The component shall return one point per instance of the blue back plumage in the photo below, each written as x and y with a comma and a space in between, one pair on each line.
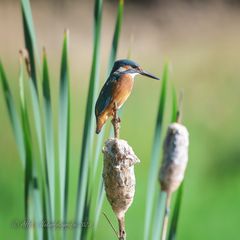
105, 95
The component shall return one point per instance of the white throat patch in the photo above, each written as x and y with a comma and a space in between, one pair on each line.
133, 74
123, 69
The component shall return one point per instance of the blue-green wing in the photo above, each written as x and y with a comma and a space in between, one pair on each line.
105, 96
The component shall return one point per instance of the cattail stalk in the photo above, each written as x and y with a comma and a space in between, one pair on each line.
119, 178
116, 122
175, 158
166, 216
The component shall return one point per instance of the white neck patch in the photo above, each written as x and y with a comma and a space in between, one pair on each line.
133, 74
123, 69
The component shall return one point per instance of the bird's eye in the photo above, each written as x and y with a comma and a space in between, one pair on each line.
137, 68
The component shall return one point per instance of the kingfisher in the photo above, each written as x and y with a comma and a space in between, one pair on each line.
116, 90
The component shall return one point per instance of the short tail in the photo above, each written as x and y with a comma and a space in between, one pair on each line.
98, 130
99, 126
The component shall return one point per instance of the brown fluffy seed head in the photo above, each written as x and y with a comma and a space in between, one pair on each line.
118, 174
175, 157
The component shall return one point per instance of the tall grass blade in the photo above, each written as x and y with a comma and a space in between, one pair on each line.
28, 196
159, 215
44, 213
13, 115
29, 207
176, 212
31, 181
30, 39
49, 175
37, 199
31, 46
63, 138
37, 118
87, 205
100, 198
152, 175
49, 144
116, 35
111, 61
46, 204
174, 105
88, 131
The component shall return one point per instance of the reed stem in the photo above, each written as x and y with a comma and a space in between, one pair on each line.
122, 232
116, 122
166, 216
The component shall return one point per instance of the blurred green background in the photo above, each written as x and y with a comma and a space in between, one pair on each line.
202, 43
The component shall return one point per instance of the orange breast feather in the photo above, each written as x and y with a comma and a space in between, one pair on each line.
123, 89
120, 93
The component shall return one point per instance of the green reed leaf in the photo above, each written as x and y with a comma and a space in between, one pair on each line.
155, 159
13, 115
30, 38
33, 204
28, 196
176, 212
100, 199
49, 144
38, 211
116, 36
44, 213
64, 133
49, 176
88, 131
177, 206
159, 215
174, 105
31, 46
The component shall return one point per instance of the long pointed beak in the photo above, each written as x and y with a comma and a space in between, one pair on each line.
145, 73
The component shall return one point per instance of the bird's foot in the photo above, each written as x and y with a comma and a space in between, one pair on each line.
118, 120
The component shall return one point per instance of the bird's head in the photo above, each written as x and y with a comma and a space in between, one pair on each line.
125, 66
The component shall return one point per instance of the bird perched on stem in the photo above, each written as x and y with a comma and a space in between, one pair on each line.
115, 92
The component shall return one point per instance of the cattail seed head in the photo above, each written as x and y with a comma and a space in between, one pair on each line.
118, 174
175, 157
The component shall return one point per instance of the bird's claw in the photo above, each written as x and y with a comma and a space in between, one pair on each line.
118, 120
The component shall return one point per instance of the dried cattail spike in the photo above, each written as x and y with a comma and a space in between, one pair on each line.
24, 54
175, 157
119, 178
